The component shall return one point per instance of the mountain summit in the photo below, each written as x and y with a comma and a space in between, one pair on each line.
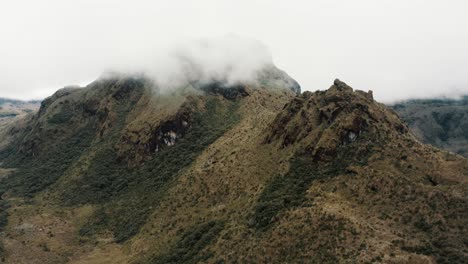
212, 172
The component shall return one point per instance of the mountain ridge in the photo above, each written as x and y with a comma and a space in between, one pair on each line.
120, 173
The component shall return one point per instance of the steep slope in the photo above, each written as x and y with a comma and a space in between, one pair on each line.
120, 173
439, 122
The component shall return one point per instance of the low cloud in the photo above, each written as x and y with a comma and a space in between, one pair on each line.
230, 59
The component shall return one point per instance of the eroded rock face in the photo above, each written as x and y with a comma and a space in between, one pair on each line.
140, 142
325, 120
227, 91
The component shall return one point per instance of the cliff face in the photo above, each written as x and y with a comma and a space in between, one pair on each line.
439, 122
215, 173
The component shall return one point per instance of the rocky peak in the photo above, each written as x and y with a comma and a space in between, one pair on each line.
324, 120
343, 87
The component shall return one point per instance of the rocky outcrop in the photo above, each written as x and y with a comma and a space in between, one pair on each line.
141, 141
227, 91
324, 120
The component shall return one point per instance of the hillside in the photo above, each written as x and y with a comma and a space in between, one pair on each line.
12, 111
11, 108
119, 172
439, 122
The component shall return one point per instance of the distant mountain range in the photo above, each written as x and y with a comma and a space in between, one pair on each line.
10, 108
439, 122
15, 101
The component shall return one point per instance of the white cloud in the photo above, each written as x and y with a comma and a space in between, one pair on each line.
397, 48
229, 58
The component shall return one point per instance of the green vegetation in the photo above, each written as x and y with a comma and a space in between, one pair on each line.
463, 101
35, 173
440, 249
64, 116
188, 249
4, 205
125, 196
8, 151
134, 194
44, 166
106, 176
8, 114
439, 122
13, 101
284, 192
288, 191
78, 151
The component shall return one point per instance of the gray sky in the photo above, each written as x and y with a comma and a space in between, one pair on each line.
398, 48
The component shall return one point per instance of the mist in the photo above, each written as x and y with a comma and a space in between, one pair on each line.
229, 59
399, 49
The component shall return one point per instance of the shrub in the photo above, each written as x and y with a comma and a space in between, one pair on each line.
132, 194
190, 245
288, 191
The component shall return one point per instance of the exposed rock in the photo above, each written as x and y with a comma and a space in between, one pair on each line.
325, 120
226, 90
140, 143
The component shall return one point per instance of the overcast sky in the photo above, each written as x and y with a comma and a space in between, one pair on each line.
398, 48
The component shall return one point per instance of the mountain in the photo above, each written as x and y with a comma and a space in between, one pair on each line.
14, 111
122, 172
12, 107
9, 109
439, 122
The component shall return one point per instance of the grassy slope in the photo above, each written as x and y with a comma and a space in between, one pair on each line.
135, 192
353, 213
60, 133
252, 181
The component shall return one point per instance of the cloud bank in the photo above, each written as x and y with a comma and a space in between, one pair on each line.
397, 48
230, 59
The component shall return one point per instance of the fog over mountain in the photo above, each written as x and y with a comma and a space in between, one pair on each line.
215, 131
231, 59
399, 49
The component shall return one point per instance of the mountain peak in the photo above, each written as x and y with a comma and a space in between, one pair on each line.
342, 86
256, 169
339, 85
322, 121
